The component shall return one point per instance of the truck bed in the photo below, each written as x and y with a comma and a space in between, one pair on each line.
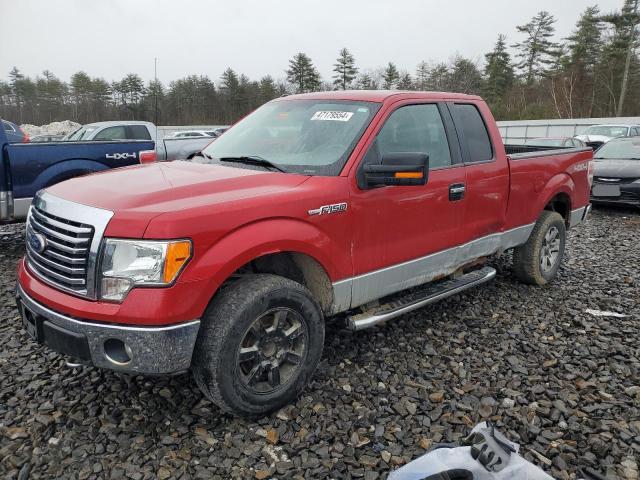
537, 170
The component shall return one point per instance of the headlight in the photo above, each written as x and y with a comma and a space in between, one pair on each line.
130, 263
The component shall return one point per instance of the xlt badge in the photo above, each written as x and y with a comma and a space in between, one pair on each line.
326, 209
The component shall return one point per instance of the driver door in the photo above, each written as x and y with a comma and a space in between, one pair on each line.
403, 235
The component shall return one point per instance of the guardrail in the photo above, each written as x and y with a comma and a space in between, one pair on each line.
517, 132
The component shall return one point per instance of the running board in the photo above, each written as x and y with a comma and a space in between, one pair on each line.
430, 293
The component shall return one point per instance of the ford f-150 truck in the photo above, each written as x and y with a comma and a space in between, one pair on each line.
363, 204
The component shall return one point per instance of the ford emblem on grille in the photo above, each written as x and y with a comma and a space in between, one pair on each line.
36, 241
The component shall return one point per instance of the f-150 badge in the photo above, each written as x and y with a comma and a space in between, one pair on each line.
326, 209
120, 156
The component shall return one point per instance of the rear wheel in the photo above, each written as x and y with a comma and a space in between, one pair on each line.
537, 261
259, 344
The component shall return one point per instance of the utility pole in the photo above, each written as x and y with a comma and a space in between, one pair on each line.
155, 90
627, 64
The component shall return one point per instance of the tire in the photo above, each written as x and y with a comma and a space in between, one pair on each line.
259, 343
528, 259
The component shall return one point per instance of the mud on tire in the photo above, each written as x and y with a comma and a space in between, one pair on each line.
537, 261
260, 341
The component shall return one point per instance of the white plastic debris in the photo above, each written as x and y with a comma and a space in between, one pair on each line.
604, 313
486, 454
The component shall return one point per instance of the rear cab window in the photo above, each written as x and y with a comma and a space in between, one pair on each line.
472, 130
138, 132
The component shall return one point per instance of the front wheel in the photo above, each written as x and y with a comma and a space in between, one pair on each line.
260, 341
537, 261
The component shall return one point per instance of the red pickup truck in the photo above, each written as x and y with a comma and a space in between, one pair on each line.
365, 204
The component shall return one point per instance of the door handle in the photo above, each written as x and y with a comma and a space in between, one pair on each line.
456, 192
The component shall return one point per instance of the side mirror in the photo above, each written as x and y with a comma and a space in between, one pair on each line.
406, 168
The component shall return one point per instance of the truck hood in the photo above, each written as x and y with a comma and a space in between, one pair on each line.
617, 168
139, 193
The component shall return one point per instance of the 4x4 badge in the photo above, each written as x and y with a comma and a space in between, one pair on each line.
326, 209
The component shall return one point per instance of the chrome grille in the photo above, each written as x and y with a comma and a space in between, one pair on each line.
63, 260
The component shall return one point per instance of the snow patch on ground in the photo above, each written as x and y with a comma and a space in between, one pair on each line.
54, 128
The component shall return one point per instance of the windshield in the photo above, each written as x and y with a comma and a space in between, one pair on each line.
619, 149
312, 137
545, 142
607, 131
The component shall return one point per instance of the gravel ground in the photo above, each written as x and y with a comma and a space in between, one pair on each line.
562, 382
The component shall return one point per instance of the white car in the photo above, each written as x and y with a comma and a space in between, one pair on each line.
192, 133
604, 133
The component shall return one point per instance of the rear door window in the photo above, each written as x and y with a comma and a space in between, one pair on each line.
112, 133
475, 137
138, 132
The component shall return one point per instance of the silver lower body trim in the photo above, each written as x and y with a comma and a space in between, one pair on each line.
356, 291
6, 205
579, 215
152, 350
21, 208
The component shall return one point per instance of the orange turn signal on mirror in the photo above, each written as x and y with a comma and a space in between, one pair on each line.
178, 254
408, 175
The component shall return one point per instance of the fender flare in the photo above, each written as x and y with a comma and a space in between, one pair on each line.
65, 170
561, 183
254, 240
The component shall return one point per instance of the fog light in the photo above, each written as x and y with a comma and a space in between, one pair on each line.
117, 351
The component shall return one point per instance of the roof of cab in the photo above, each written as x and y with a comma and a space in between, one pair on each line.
379, 95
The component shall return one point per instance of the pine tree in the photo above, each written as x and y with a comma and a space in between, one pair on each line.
498, 71
422, 76
366, 82
620, 52
536, 49
439, 78
465, 76
585, 43
303, 74
345, 68
405, 82
390, 76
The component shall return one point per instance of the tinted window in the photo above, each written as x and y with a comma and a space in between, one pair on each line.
474, 132
419, 129
112, 133
635, 132
8, 127
139, 132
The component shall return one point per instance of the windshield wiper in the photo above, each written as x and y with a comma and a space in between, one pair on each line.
252, 160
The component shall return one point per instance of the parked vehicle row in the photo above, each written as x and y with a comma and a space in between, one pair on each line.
29, 167
366, 204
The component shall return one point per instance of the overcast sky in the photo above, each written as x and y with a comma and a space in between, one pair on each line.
110, 38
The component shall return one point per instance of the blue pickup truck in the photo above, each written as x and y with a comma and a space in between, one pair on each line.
26, 168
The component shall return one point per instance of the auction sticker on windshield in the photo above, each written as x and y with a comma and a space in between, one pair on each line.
335, 116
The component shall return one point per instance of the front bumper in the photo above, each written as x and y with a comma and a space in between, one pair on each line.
629, 195
144, 350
